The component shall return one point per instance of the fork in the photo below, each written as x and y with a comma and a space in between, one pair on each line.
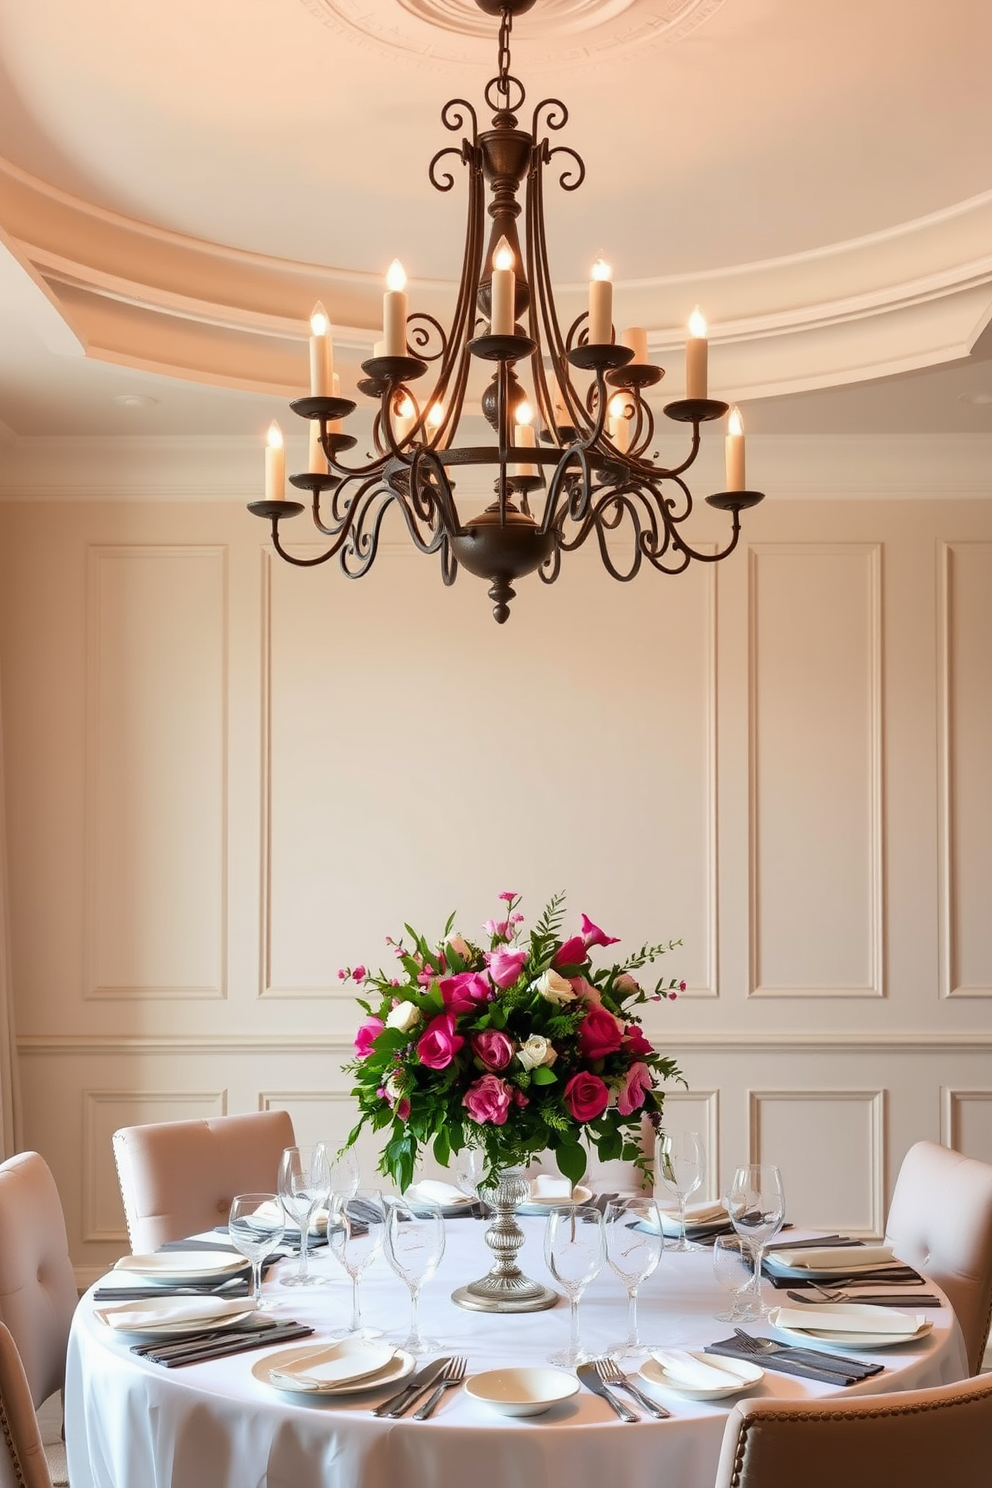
610, 1373
454, 1374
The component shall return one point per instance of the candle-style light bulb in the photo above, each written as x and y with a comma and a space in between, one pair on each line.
502, 319
321, 353
734, 446
735, 424
503, 255
524, 413
319, 322
275, 464
524, 436
394, 310
601, 304
601, 269
619, 428
395, 276
435, 416
274, 438
696, 356
406, 408
697, 323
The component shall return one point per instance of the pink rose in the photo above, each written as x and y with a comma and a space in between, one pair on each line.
439, 1043
402, 1109
626, 985
359, 973
506, 964
494, 1048
366, 1036
634, 1040
465, 991
488, 1100
599, 1033
572, 953
585, 989
586, 1096
636, 1084
497, 929
593, 936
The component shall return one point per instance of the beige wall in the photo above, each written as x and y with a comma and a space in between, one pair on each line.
227, 778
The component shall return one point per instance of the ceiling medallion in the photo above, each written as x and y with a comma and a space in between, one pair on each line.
591, 473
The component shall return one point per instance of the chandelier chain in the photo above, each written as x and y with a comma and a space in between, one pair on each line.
503, 78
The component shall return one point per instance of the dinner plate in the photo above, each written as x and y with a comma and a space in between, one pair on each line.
522, 1392
168, 1327
740, 1376
833, 1339
537, 1205
263, 1369
182, 1265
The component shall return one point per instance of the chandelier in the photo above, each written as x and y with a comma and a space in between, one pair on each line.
592, 471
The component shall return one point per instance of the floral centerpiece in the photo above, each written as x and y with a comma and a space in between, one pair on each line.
516, 1046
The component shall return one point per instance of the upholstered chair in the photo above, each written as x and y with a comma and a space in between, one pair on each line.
22, 1456
940, 1221
37, 1283
910, 1439
178, 1178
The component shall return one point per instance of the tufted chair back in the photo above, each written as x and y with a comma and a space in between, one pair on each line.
940, 1221
22, 1456
910, 1439
178, 1178
37, 1283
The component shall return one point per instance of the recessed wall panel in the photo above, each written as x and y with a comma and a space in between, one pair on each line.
828, 1147
156, 772
815, 798
967, 1122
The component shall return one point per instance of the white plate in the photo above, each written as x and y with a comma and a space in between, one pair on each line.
740, 1376
168, 1327
453, 1204
182, 1265
822, 1338
263, 1369
522, 1392
827, 1273
535, 1205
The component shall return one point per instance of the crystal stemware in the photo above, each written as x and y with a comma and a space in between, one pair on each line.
680, 1165
356, 1228
255, 1224
734, 1270
304, 1185
633, 1249
414, 1247
346, 1173
756, 1204
575, 1251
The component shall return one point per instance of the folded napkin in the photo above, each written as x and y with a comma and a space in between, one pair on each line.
548, 1186
437, 1192
270, 1210
697, 1216
837, 1317
127, 1319
841, 1257
685, 1369
335, 1367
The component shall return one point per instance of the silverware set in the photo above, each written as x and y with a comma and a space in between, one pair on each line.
438, 1376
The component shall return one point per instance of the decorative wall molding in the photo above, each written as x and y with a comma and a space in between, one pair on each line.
953, 1103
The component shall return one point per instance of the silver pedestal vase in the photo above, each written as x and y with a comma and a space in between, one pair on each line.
505, 1288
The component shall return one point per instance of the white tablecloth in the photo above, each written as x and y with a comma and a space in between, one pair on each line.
130, 1424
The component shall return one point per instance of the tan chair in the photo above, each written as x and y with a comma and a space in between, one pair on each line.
178, 1178
913, 1439
37, 1282
22, 1456
940, 1221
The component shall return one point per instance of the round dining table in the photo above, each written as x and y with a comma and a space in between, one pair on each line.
130, 1423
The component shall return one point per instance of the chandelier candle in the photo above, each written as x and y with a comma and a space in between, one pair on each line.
523, 435
696, 356
735, 451
394, 310
275, 464
404, 418
636, 337
321, 353
316, 459
618, 428
601, 304
503, 290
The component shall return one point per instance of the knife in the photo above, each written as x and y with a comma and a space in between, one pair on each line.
422, 1380
587, 1374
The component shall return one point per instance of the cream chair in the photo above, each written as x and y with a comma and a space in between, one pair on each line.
37, 1283
940, 1221
22, 1456
914, 1439
178, 1178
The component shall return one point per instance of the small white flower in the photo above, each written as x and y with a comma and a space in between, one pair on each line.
536, 1051
395, 1085
404, 1016
555, 987
460, 946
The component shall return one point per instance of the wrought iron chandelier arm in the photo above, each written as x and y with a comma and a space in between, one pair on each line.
431, 496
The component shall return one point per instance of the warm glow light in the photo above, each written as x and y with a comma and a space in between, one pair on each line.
735, 424
274, 436
319, 322
618, 406
435, 415
524, 414
503, 255
395, 277
601, 269
406, 408
697, 323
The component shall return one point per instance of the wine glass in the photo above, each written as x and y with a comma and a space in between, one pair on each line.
680, 1164
414, 1247
470, 1169
734, 1270
304, 1184
355, 1231
575, 1251
633, 1249
756, 1205
255, 1224
346, 1174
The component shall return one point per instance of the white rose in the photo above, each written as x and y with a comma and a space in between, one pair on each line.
460, 946
536, 1051
404, 1016
555, 987
395, 1085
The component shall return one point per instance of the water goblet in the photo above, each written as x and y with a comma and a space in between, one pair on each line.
255, 1224
304, 1185
680, 1165
756, 1204
346, 1174
633, 1249
414, 1247
470, 1169
734, 1270
356, 1228
575, 1251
